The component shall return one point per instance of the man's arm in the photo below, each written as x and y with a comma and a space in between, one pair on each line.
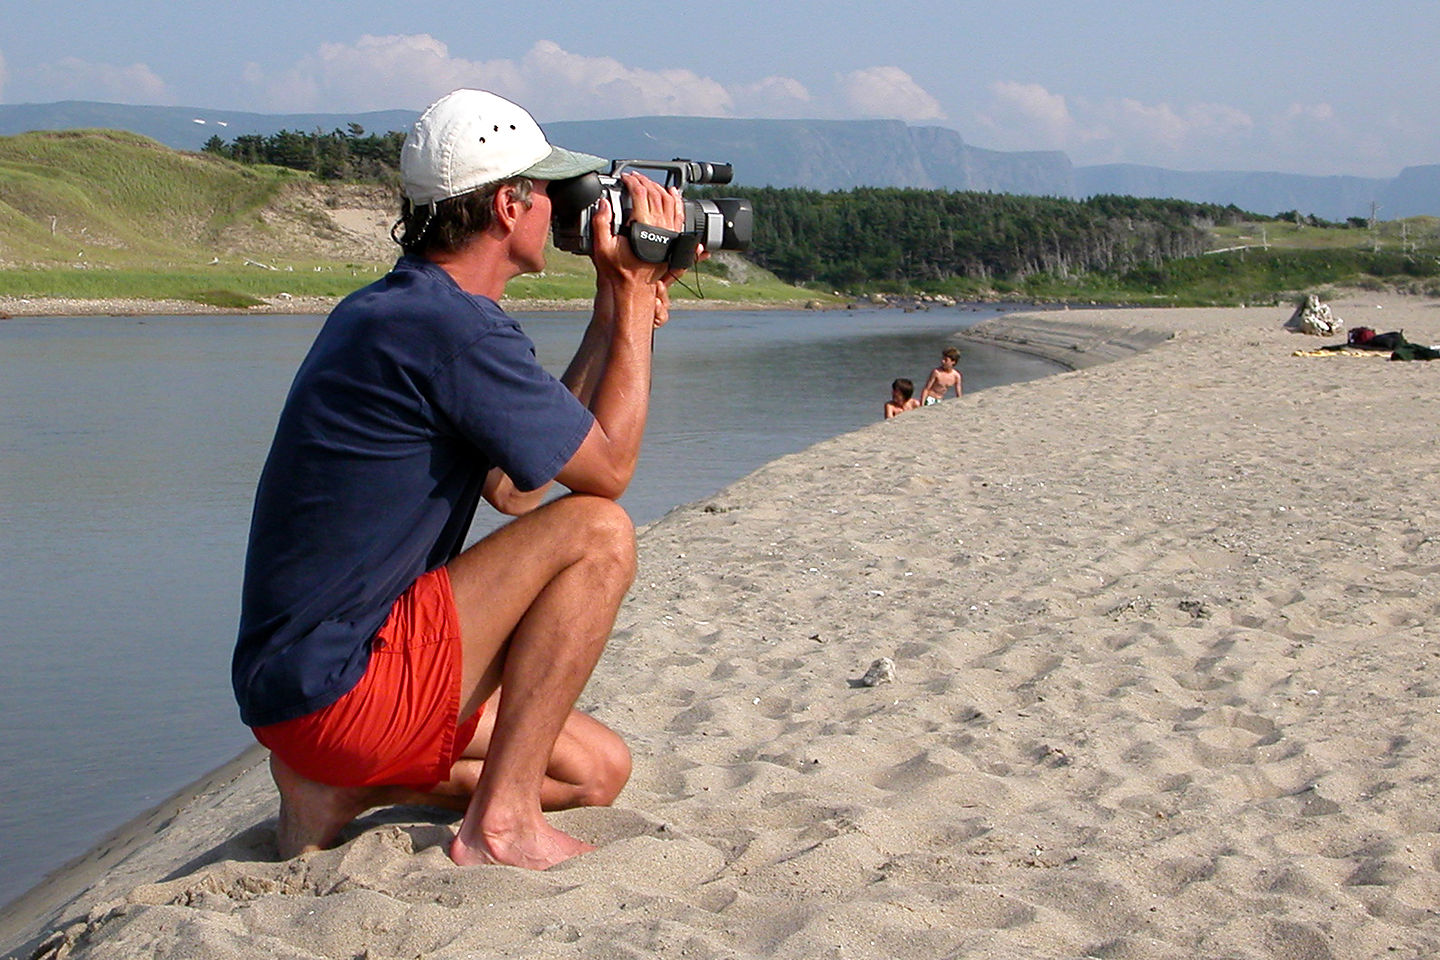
617, 286
611, 370
585, 368
588, 364
502, 494
581, 376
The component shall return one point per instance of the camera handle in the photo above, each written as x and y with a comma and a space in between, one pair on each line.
656, 245
674, 175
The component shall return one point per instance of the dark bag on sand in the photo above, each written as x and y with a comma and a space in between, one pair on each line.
1387, 341
1367, 339
1415, 351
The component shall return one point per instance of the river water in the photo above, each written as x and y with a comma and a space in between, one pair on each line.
129, 450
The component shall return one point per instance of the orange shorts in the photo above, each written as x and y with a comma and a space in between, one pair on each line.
398, 725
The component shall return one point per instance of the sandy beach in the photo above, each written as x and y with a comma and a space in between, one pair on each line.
1162, 688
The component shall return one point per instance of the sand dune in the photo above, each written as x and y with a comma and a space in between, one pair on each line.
1164, 687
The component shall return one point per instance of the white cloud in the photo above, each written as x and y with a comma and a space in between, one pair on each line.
1047, 112
1299, 137
74, 79
378, 73
1310, 111
1176, 129
2, 77
774, 97
563, 85
888, 92
1117, 129
375, 73
411, 70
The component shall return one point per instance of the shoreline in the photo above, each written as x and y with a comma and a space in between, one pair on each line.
1076, 345
17, 308
70, 880
1119, 528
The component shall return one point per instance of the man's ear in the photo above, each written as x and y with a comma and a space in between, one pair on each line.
506, 207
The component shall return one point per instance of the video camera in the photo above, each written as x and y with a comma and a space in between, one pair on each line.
720, 224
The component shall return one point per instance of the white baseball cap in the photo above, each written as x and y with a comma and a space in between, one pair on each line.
470, 138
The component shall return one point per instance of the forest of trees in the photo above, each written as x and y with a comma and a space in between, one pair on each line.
350, 154
850, 238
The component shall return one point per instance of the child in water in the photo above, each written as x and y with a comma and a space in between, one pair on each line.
902, 398
942, 378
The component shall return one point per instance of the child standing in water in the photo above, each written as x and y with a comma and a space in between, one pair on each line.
902, 398
942, 378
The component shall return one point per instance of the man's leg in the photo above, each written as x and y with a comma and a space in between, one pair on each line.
547, 587
588, 766
537, 600
312, 814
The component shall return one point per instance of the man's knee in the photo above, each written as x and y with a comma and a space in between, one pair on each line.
608, 774
605, 532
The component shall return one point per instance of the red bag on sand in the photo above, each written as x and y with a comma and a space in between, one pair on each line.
1361, 335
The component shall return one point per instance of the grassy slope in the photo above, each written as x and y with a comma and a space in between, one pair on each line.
1261, 262
1282, 259
96, 214
118, 199
1285, 259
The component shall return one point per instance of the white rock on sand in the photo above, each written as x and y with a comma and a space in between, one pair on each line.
1165, 688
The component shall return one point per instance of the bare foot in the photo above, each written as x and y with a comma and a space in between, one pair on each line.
313, 814
535, 847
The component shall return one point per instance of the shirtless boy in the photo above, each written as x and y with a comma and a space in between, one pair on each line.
902, 398
942, 378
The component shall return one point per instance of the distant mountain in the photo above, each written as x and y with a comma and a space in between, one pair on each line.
816, 154
1415, 192
822, 154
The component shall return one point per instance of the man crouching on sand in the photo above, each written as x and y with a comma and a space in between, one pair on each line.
379, 661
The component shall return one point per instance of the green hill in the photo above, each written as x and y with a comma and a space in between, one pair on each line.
96, 214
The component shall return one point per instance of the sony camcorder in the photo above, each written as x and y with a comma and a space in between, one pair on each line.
719, 224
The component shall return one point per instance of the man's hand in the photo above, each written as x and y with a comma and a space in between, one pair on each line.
652, 204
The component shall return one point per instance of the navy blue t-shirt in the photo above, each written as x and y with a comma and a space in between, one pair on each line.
411, 392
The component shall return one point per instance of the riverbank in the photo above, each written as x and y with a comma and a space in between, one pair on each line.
1076, 343
122, 307
1161, 642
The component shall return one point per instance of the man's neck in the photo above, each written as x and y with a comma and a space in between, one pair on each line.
480, 268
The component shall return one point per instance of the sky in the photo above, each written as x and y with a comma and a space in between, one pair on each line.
1298, 86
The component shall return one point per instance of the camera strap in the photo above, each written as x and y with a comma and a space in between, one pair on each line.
683, 250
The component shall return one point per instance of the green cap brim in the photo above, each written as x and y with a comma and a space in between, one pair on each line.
563, 164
